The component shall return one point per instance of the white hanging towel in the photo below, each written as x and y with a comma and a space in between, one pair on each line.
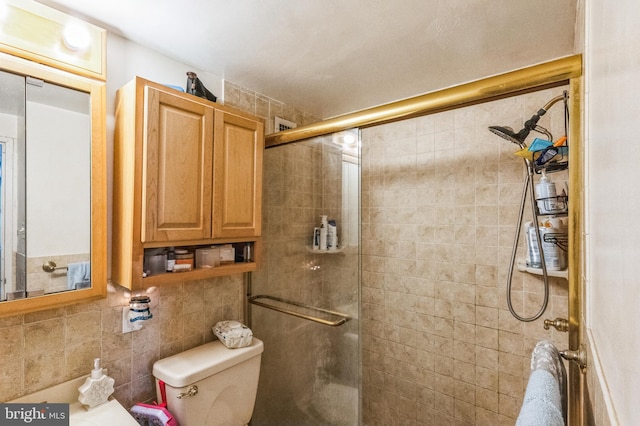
544, 401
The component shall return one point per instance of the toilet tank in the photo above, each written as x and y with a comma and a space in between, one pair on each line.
226, 381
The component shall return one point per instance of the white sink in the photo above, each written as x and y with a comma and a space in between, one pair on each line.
111, 413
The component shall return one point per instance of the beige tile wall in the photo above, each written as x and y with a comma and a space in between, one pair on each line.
49, 347
263, 107
440, 196
303, 181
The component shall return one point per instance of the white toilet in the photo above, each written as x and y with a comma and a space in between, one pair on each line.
226, 382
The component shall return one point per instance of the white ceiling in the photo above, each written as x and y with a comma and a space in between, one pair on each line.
330, 57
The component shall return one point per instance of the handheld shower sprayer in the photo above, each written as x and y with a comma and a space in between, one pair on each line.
519, 138
529, 125
508, 134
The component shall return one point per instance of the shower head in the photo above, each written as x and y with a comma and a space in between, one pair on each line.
529, 125
508, 134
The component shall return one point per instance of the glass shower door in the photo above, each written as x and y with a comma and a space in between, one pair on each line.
309, 299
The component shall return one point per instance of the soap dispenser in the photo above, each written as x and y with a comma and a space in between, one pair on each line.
97, 388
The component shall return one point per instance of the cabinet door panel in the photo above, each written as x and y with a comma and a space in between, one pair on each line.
177, 173
238, 149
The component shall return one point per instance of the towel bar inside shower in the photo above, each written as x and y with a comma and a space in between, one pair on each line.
50, 266
300, 310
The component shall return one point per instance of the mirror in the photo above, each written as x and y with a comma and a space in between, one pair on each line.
52, 187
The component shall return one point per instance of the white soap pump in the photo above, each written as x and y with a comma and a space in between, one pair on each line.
97, 388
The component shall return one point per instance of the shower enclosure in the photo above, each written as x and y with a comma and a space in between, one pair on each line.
304, 303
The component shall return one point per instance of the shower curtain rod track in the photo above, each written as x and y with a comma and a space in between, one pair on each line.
255, 300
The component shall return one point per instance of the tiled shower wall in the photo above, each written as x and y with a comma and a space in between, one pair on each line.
440, 196
303, 181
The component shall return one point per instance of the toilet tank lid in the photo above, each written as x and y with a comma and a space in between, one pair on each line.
195, 364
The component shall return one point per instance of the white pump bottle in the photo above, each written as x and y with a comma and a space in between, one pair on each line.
97, 388
546, 195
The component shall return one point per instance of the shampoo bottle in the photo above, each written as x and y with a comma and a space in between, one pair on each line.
316, 238
555, 258
324, 225
97, 388
332, 235
533, 251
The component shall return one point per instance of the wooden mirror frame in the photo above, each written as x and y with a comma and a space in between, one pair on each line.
97, 91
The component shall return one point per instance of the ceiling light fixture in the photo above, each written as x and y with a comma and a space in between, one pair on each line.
76, 35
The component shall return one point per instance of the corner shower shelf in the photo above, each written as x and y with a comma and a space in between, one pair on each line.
336, 251
522, 267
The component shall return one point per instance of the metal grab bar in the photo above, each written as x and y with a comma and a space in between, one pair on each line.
256, 301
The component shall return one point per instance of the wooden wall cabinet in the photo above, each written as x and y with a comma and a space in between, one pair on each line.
187, 173
177, 148
237, 162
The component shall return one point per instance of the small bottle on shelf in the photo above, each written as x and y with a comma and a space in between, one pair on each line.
324, 225
533, 251
184, 261
332, 236
247, 252
555, 257
171, 259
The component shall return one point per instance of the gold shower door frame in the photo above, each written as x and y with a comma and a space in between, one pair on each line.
566, 70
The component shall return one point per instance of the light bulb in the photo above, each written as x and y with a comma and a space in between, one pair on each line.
76, 36
349, 139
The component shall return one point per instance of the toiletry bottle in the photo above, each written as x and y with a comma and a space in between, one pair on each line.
555, 258
546, 195
171, 259
316, 238
533, 252
323, 232
97, 388
332, 235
